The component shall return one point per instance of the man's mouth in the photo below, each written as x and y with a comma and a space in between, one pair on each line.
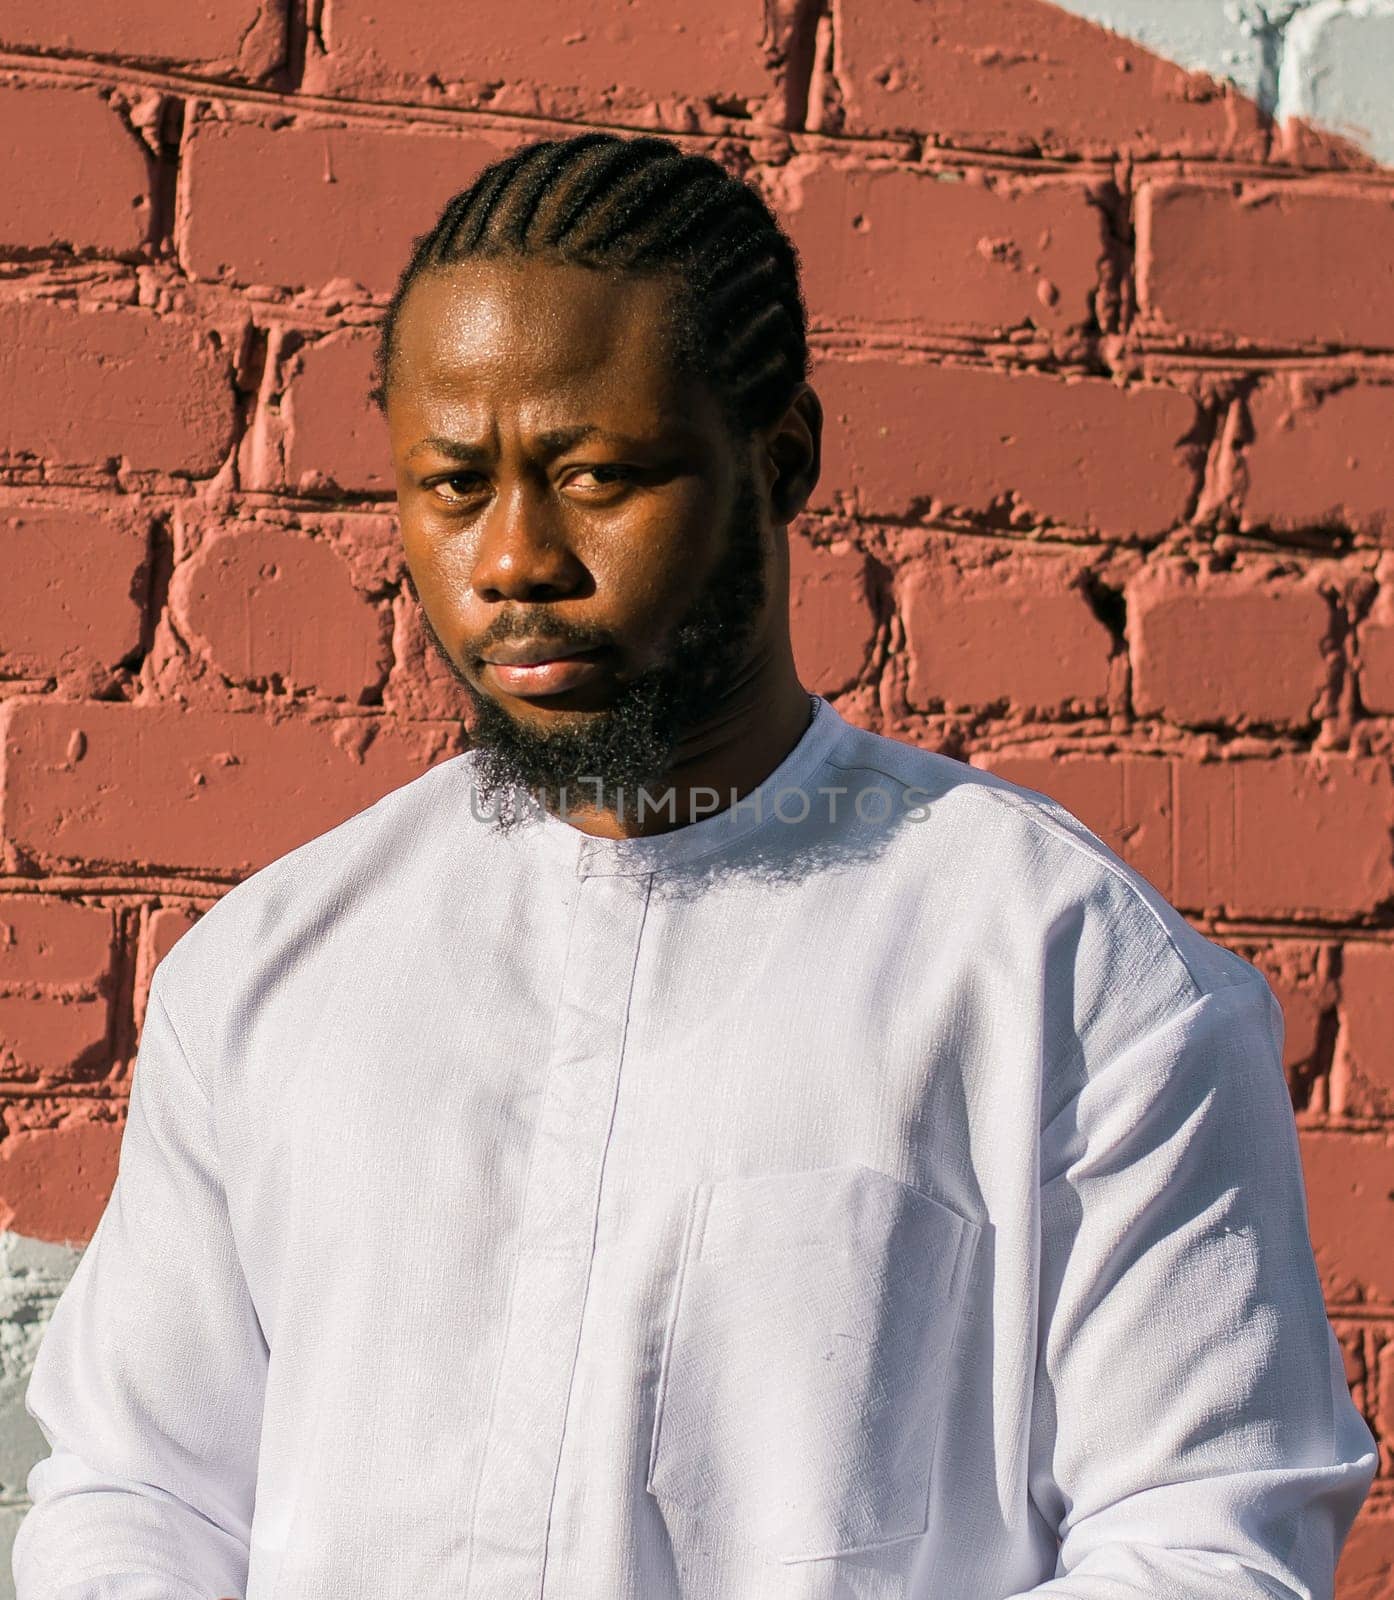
529, 670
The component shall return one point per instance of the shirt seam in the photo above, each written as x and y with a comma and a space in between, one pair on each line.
1042, 1184
566, 1416
1171, 1021
156, 997
488, 1446
1047, 824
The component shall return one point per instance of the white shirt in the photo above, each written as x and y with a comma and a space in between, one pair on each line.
901, 1202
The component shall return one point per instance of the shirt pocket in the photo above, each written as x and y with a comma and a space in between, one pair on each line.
805, 1356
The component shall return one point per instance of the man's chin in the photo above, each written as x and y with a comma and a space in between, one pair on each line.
567, 761
545, 717
553, 721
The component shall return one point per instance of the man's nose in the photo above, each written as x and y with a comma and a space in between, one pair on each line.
524, 553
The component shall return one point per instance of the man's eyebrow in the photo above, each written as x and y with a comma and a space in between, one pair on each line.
555, 440
552, 443
668, 432
454, 449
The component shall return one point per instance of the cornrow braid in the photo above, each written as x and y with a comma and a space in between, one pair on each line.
640, 205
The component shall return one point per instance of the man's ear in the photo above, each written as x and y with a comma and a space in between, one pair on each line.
794, 453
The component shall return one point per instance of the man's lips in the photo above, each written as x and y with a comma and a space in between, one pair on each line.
553, 675
531, 652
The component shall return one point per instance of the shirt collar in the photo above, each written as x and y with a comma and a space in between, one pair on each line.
592, 857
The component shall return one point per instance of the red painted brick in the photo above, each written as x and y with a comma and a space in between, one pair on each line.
1300, 975
1365, 1049
1295, 835
1019, 633
75, 175
563, 57
1232, 648
48, 941
1007, 255
1384, 1409
241, 37
1256, 267
831, 621
1022, 75
1320, 459
1125, 800
52, 1036
163, 929
420, 687
370, 542
160, 786
163, 400
74, 586
330, 203
55, 971
903, 440
1350, 1203
55, 1182
1375, 646
269, 606
995, 250
1366, 1569
336, 439
1350, 1337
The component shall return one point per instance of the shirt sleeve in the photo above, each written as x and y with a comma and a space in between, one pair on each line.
150, 1377
1193, 1432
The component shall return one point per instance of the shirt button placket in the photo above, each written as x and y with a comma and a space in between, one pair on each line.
514, 1493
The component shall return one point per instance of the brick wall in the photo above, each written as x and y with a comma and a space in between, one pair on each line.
1107, 355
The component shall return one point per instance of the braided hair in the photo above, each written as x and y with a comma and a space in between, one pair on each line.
641, 206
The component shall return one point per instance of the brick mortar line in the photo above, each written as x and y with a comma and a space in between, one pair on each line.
1100, 734
120, 888
1343, 1127
1114, 353
1291, 931
1141, 358
461, 119
1103, 733
912, 149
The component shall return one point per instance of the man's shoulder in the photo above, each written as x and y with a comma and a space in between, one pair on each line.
1018, 846
367, 847
1074, 932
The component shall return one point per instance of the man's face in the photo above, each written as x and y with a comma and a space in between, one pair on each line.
562, 487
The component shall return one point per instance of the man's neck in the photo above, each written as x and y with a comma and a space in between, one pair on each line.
718, 763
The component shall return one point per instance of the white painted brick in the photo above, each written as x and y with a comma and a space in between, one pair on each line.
1338, 71
32, 1276
1218, 37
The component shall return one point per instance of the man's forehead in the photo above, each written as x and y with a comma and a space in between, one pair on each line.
490, 327
479, 307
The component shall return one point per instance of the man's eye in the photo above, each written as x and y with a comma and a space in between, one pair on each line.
605, 474
456, 486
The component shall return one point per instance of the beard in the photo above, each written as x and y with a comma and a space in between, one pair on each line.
606, 760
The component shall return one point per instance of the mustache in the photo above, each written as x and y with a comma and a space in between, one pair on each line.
546, 628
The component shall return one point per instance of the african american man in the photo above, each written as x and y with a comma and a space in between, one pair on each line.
684, 1145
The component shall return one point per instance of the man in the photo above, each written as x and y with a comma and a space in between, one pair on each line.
687, 1145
